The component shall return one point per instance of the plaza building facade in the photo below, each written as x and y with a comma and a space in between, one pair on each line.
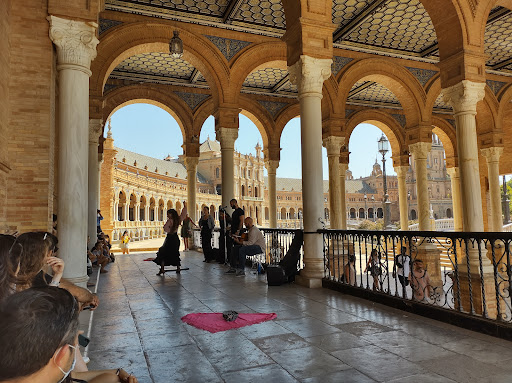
413, 68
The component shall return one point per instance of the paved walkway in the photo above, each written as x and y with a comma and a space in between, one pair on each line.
319, 335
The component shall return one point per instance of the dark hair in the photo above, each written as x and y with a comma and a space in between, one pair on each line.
8, 266
233, 200
31, 249
35, 323
175, 219
351, 258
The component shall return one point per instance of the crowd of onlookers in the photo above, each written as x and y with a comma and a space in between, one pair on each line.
39, 341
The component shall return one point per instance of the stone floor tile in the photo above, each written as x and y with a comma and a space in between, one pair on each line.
307, 327
307, 362
165, 341
126, 341
278, 343
264, 329
337, 341
345, 376
377, 363
407, 346
422, 378
363, 328
264, 374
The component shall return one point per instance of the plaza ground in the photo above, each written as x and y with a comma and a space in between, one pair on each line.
319, 335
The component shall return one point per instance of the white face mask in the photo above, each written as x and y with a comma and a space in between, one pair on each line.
72, 365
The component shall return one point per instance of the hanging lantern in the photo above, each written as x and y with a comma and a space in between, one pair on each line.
176, 46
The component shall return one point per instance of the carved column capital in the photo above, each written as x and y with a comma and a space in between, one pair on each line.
271, 166
309, 74
492, 154
401, 171
464, 96
226, 137
191, 163
333, 145
420, 150
75, 41
95, 126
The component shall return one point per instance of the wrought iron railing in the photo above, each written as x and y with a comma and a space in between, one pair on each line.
278, 242
470, 273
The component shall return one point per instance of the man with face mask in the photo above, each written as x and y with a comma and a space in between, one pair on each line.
39, 339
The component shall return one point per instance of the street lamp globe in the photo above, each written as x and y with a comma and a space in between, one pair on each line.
383, 145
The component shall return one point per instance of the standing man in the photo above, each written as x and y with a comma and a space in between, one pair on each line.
237, 224
99, 218
255, 244
402, 268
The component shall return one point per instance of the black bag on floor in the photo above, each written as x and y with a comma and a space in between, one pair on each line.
275, 275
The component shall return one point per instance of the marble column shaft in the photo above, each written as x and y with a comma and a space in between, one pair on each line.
463, 97
333, 145
401, 172
272, 166
227, 138
191, 165
76, 46
492, 155
420, 152
343, 197
93, 178
309, 74
456, 202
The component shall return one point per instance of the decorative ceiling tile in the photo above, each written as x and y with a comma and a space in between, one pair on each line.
228, 47
156, 63
400, 118
498, 39
273, 107
192, 99
106, 24
203, 7
369, 91
289, 87
265, 78
423, 75
344, 10
269, 13
108, 87
338, 63
400, 24
495, 85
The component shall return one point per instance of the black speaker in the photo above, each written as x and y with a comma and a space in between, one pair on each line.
275, 275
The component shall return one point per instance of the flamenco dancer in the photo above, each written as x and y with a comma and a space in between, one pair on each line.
169, 253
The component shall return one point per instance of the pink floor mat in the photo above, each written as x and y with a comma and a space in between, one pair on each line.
214, 322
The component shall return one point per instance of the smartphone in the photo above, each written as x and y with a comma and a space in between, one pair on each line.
83, 340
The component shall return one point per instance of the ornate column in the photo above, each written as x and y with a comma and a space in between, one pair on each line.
272, 166
227, 138
136, 212
309, 74
76, 46
343, 199
492, 155
463, 98
401, 172
93, 177
191, 165
456, 203
420, 152
126, 210
333, 146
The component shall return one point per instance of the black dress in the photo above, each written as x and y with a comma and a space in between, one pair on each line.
169, 253
206, 240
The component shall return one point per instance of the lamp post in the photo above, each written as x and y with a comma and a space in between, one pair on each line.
505, 203
383, 145
373, 208
365, 209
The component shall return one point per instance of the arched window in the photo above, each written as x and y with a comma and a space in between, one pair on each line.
243, 190
361, 213
413, 214
217, 173
448, 213
256, 192
380, 213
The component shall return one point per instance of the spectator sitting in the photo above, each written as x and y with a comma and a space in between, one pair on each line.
255, 244
349, 271
99, 258
420, 281
39, 339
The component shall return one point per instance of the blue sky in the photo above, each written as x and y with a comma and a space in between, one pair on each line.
149, 130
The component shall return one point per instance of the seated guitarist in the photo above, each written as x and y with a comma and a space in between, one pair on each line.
252, 245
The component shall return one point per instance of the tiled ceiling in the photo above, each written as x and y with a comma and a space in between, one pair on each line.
388, 27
